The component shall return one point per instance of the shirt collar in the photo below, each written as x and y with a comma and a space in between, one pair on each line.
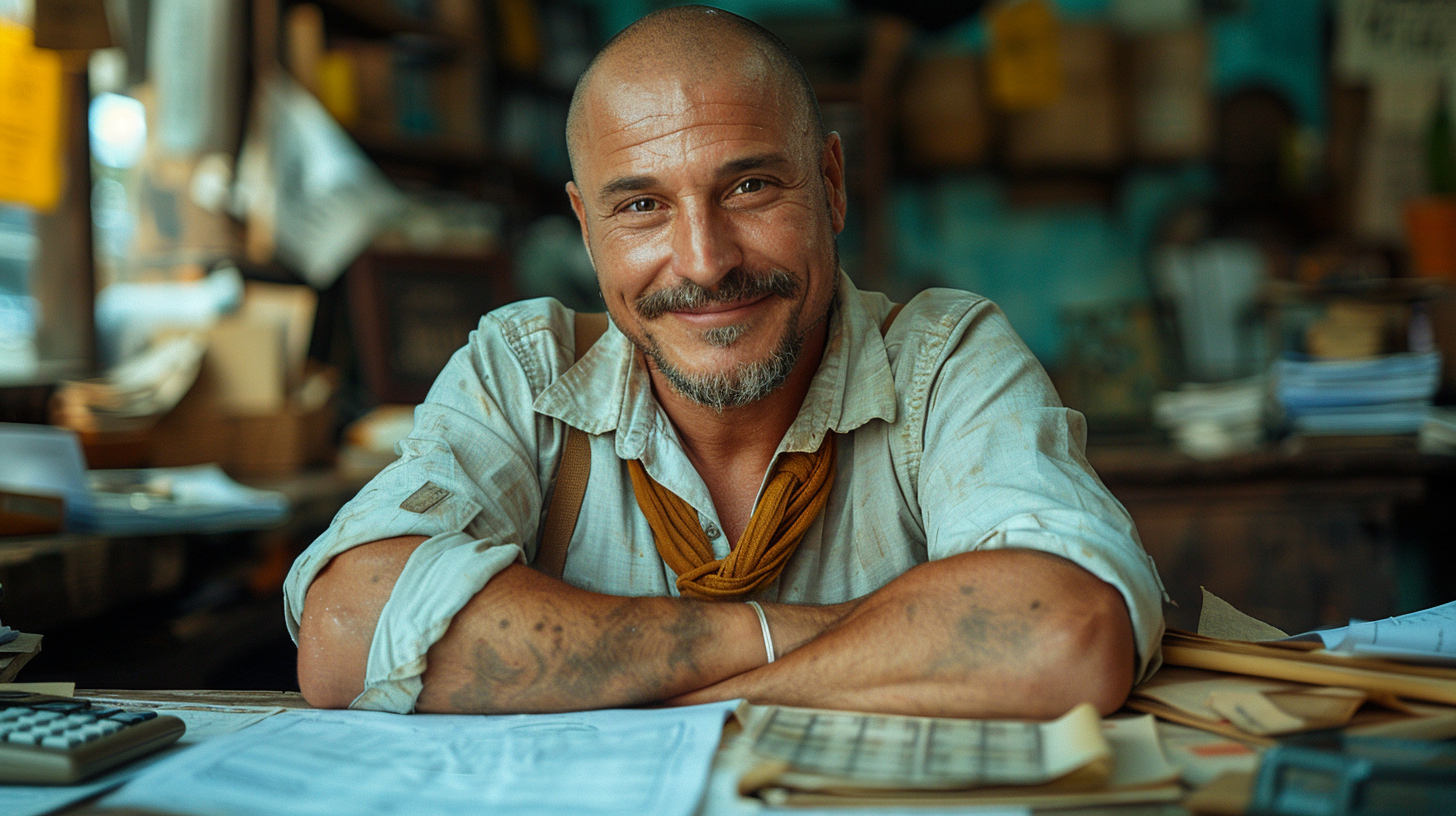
608, 389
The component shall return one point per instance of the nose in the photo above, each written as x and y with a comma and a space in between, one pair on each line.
704, 244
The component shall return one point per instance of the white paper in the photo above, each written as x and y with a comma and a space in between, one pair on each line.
1428, 636
330, 199
205, 724
34, 800
312, 763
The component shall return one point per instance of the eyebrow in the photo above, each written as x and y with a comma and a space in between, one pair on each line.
636, 184
626, 184
755, 162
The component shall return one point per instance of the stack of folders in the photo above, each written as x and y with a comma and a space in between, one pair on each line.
1380, 396
814, 758
1389, 678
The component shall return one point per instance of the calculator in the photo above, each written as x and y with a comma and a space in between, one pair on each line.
47, 740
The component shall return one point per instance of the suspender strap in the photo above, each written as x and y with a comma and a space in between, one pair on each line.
575, 467
572, 473
566, 497
890, 318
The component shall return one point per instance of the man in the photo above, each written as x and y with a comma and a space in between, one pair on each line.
913, 510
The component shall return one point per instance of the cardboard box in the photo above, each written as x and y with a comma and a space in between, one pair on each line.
1085, 128
1172, 115
944, 122
298, 435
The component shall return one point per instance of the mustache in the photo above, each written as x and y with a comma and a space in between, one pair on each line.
736, 285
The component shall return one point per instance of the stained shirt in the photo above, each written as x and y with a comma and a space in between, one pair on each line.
952, 439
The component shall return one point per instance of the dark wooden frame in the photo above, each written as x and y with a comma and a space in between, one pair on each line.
463, 287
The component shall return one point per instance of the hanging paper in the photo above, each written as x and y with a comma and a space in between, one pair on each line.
1025, 58
30, 120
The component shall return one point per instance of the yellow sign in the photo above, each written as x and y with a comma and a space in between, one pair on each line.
1025, 57
30, 120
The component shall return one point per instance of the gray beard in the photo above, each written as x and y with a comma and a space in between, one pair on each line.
745, 384
748, 382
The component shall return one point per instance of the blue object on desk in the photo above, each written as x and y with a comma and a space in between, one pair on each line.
1328, 774
47, 460
150, 501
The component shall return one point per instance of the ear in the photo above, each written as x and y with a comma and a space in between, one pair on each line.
832, 166
579, 207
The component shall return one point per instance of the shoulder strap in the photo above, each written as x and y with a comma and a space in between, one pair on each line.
572, 471
575, 466
890, 318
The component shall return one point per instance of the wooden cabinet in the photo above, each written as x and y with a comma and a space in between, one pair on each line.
1298, 541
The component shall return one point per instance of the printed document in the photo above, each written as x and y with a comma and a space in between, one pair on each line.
1427, 636
313, 763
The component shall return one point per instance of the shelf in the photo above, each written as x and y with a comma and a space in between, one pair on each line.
426, 152
1382, 290
383, 18
1161, 466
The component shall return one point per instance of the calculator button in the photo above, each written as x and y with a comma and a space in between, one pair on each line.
23, 737
130, 717
63, 707
59, 741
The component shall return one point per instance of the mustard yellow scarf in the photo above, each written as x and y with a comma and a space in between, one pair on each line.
794, 497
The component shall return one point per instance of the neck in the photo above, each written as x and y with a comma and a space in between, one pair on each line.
747, 433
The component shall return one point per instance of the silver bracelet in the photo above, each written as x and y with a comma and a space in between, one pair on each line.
763, 624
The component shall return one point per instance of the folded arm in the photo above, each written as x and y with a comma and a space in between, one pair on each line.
999, 633
529, 643
996, 633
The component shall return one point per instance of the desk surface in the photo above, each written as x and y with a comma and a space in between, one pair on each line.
291, 699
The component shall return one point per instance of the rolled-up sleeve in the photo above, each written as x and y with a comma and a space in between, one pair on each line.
467, 478
1004, 466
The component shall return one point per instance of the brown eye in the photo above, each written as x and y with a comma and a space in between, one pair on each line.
750, 186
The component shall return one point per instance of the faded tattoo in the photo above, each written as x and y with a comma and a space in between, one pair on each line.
688, 631
493, 675
981, 636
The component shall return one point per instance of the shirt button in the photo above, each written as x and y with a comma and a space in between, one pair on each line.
711, 529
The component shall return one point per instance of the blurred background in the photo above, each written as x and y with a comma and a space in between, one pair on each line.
239, 238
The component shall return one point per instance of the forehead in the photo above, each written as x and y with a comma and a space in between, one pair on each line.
654, 118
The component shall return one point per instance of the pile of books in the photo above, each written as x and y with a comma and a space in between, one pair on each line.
1379, 396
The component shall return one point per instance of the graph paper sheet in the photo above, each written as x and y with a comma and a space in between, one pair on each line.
810, 749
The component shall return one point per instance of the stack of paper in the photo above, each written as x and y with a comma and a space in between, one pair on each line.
1384, 395
1211, 421
136, 393
1427, 636
799, 756
1438, 432
1257, 710
199, 499
1254, 683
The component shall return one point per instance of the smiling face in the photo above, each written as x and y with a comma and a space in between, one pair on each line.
709, 205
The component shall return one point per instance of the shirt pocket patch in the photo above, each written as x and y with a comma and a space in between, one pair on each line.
429, 495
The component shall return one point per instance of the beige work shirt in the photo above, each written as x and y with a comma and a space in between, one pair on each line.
952, 440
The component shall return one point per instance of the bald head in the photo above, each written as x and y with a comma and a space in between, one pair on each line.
695, 43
